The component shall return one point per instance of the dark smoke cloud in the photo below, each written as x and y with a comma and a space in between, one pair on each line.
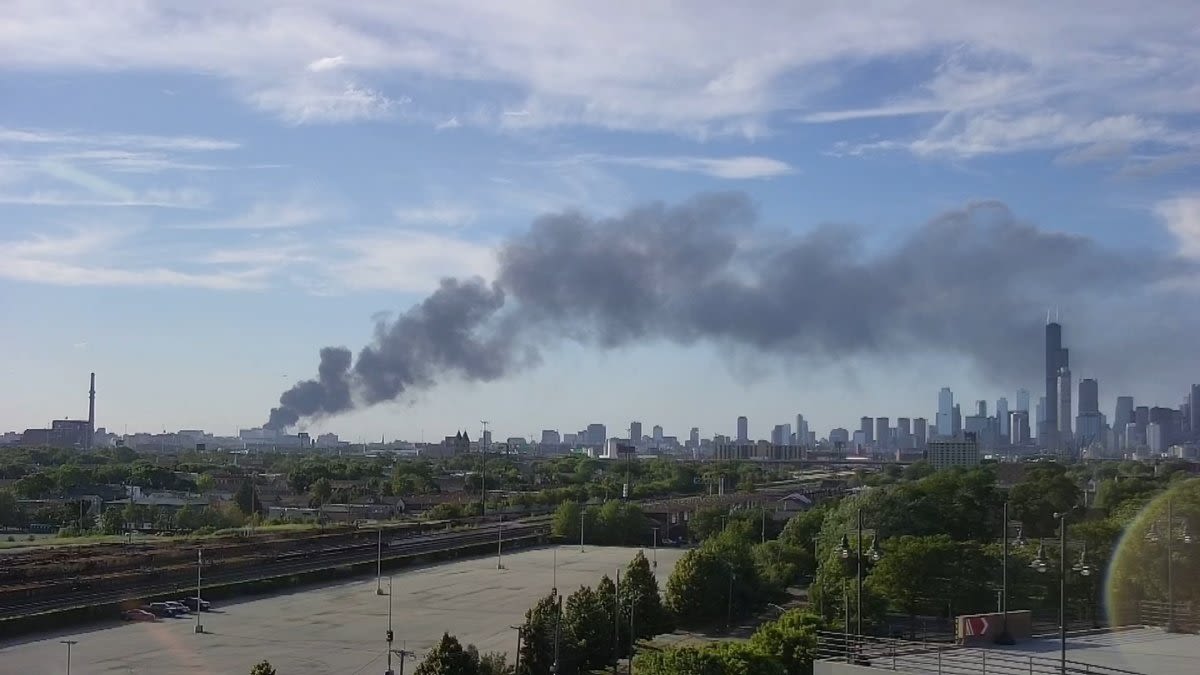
972, 283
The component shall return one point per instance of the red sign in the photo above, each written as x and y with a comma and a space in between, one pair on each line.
976, 626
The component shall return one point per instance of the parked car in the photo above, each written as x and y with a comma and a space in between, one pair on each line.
160, 609
179, 607
138, 615
190, 603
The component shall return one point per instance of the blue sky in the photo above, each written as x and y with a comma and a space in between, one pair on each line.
194, 199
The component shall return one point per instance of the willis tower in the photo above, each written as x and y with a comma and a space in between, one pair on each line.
1057, 358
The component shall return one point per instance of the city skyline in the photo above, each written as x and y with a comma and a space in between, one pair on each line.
594, 432
771, 212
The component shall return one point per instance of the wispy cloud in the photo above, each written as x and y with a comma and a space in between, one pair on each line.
734, 168
165, 199
70, 260
407, 261
451, 123
695, 70
444, 215
142, 141
308, 102
265, 216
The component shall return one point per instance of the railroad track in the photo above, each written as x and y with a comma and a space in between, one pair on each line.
313, 561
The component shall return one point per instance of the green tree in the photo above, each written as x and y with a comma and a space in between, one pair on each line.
205, 483
791, 640
263, 667
1046, 490
320, 492
246, 498
566, 520
922, 574
448, 658
779, 565
11, 514
706, 522
588, 628
112, 521
537, 639
640, 599
493, 663
34, 486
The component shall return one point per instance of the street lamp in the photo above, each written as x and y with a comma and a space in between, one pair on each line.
873, 554
1041, 565
1005, 637
1183, 537
69, 644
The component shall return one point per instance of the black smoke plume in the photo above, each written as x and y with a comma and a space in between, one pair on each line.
972, 282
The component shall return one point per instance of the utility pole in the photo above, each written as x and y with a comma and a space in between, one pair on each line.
199, 566
557, 633
764, 524
500, 543
69, 644
390, 635
654, 564
582, 509
482, 447
858, 609
617, 621
379, 563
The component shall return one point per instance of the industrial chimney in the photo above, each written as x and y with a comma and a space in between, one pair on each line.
91, 434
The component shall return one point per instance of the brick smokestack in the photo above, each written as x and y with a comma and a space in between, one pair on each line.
91, 435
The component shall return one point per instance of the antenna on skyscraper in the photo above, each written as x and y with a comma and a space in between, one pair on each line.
1047, 315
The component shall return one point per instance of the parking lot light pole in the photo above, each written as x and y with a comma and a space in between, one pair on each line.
199, 566
69, 643
379, 564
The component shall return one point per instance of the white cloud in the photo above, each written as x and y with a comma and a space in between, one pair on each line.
1182, 218
700, 69
265, 216
165, 199
308, 102
407, 261
742, 167
451, 123
70, 260
444, 215
327, 63
141, 141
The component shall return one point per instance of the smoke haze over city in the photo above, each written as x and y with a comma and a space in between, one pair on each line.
970, 282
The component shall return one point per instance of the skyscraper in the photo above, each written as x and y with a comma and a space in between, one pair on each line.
1089, 396
597, 434
1057, 358
657, 431
882, 432
1194, 411
864, 425
981, 408
743, 429
801, 430
904, 432
1002, 415
945, 412
1018, 424
956, 421
1023, 399
920, 432
694, 437
1124, 413
1063, 412
635, 432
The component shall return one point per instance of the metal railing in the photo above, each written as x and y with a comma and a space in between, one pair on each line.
1186, 616
944, 659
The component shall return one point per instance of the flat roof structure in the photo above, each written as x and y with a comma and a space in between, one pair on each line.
334, 628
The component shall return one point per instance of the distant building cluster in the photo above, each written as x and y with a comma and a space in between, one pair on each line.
1066, 419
